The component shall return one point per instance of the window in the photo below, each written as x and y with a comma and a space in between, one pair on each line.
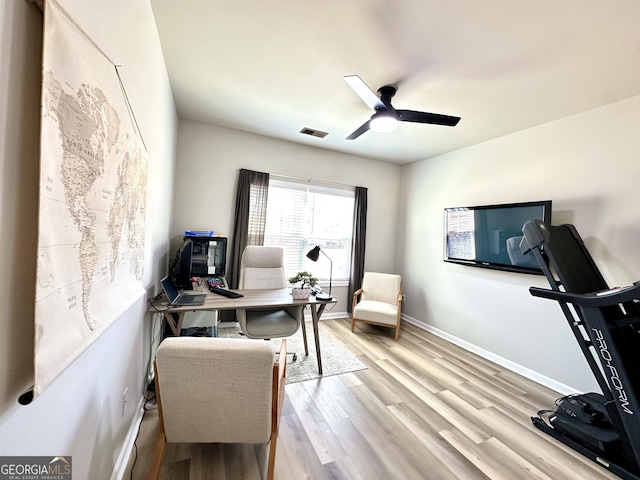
303, 215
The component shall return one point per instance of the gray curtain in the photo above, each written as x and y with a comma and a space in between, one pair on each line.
250, 218
359, 240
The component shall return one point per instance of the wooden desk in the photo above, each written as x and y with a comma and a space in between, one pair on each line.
251, 299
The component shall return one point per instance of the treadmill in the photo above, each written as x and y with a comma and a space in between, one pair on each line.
606, 324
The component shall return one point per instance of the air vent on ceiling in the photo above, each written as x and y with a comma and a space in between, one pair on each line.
313, 133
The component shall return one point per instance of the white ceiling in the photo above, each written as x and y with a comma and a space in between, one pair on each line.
276, 67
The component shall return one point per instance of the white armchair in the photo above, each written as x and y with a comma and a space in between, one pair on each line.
196, 378
379, 301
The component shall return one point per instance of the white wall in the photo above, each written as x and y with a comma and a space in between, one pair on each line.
210, 157
589, 166
20, 40
79, 415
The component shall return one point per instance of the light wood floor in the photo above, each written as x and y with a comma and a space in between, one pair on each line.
423, 409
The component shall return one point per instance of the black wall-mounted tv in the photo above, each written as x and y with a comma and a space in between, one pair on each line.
488, 236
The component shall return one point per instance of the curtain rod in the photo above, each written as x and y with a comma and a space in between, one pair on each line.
307, 180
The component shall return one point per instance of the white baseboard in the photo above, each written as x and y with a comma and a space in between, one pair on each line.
120, 467
326, 315
503, 362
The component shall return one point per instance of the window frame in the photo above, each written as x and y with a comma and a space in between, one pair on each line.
322, 266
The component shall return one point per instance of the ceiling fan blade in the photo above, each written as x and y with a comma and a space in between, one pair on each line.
425, 117
367, 95
359, 131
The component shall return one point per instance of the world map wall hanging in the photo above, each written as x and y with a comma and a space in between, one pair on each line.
93, 177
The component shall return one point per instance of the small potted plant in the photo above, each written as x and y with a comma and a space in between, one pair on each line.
302, 283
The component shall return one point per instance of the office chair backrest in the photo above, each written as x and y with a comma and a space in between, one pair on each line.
261, 268
381, 287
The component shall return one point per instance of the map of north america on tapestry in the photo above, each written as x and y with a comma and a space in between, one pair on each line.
93, 176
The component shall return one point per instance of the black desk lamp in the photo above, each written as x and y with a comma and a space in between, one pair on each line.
313, 255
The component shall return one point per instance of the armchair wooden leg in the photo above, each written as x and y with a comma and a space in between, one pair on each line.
158, 456
271, 466
398, 319
353, 324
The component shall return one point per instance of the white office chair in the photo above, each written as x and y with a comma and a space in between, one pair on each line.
263, 268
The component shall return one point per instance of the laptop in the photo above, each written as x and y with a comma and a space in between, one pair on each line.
177, 299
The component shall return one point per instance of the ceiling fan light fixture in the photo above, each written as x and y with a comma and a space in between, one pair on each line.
386, 117
383, 122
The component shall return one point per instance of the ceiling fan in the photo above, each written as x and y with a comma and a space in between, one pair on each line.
386, 118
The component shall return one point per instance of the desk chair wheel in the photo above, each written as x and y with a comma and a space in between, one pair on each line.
294, 355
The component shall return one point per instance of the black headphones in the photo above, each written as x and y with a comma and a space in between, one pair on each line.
596, 417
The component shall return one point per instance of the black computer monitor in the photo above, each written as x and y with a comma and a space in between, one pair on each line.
180, 271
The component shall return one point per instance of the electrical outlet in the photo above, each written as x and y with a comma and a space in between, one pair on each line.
124, 400
404, 297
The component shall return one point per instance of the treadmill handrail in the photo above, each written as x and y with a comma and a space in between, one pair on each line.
602, 299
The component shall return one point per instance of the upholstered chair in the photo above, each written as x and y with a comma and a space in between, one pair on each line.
379, 301
198, 378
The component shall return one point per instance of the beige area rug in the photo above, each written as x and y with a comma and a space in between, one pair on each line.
336, 359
